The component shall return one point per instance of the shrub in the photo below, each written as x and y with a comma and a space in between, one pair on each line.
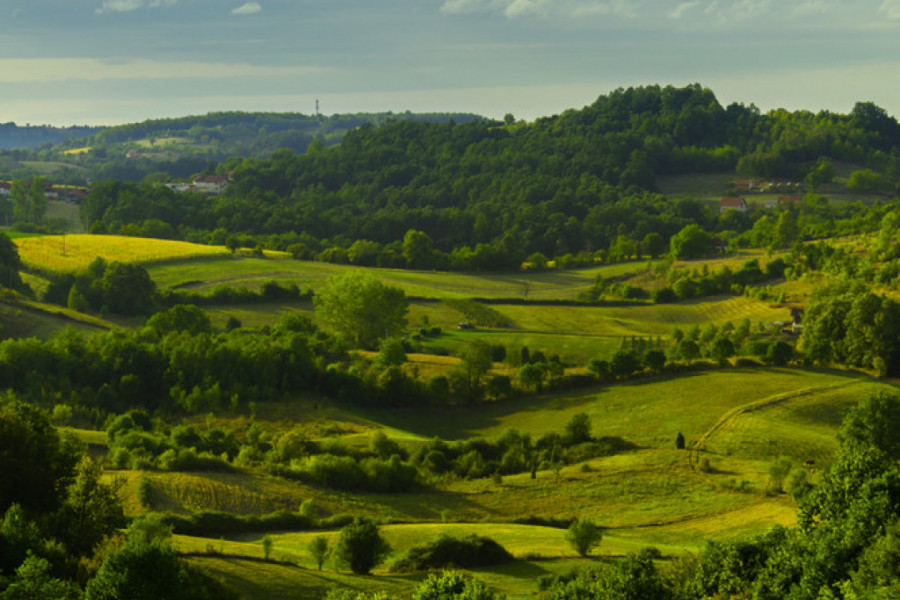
469, 552
144, 492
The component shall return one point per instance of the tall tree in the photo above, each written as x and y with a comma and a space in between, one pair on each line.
361, 309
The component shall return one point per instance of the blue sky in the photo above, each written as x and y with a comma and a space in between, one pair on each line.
113, 61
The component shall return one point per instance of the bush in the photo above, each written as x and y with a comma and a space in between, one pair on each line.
583, 535
469, 552
361, 546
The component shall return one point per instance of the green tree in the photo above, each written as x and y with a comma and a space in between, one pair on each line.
467, 377
690, 242
35, 464
418, 249
451, 585
318, 548
583, 536
787, 230
655, 359
10, 264
654, 244
19, 197
361, 309
531, 375
37, 201
128, 289
182, 317
624, 364
578, 429
92, 509
34, 581
722, 349
361, 546
390, 354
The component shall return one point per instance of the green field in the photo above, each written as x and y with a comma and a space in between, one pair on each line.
206, 274
32, 319
740, 419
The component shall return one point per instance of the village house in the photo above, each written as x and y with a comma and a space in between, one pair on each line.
732, 204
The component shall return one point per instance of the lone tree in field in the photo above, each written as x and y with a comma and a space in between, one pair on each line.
318, 549
361, 546
583, 535
361, 309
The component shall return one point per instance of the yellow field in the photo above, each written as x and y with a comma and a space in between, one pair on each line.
76, 151
74, 252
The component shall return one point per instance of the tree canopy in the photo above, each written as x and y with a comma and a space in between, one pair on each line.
361, 309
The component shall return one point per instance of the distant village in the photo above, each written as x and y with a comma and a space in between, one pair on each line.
739, 203
53, 191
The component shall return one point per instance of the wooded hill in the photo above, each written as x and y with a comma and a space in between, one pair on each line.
177, 147
489, 193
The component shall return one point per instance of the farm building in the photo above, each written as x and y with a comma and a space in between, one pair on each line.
732, 204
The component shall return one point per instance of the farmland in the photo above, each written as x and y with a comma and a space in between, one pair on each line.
650, 496
65, 254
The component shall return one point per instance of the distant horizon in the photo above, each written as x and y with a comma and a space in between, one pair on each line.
488, 104
105, 62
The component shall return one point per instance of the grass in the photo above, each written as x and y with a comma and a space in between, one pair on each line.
17, 235
71, 253
207, 274
33, 319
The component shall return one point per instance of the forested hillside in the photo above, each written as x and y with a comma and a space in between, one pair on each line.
177, 147
487, 194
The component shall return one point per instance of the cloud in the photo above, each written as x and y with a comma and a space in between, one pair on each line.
119, 6
780, 14
250, 8
37, 70
520, 8
682, 8
891, 8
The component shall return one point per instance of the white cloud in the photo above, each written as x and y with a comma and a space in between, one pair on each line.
34, 70
682, 8
119, 6
521, 8
250, 8
461, 7
891, 8
828, 14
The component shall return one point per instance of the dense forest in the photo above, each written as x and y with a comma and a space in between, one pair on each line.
488, 194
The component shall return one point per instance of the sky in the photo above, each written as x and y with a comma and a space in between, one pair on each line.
100, 62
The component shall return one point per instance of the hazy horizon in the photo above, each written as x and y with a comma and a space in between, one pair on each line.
103, 62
